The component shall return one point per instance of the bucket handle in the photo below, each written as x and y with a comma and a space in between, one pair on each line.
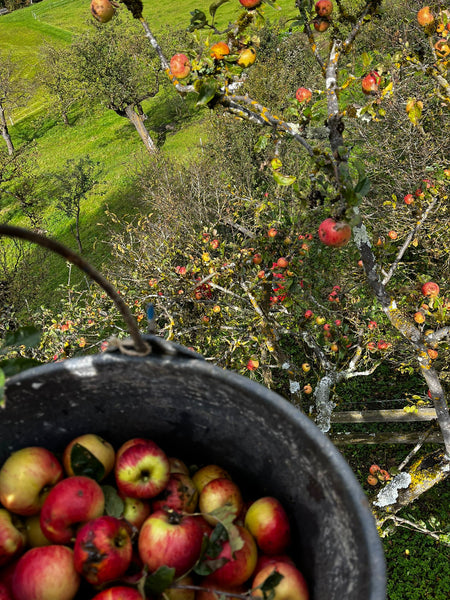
141, 347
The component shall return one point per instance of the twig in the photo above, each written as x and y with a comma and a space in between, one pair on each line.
416, 448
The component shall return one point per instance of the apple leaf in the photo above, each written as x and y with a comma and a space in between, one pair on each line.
269, 585
284, 179
114, 504
206, 91
362, 187
226, 516
27, 336
157, 582
198, 20
215, 5
83, 462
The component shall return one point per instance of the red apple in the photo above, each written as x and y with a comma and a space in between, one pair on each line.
12, 536
303, 94
170, 539
291, 587
46, 573
70, 502
135, 510
94, 445
5, 592
264, 560
282, 262
250, 3
102, 550
142, 469
118, 592
321, 24
180, 494
240, 565
430, 289
334, 233
218, 493
207, 474
102, 10
409, 199
25, 478
268, 522
180, 66
370, 82
324, 8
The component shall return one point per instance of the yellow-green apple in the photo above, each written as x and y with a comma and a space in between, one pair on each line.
172, 593
71, 502
76, 456
118, 592
250, 3
102, 550
178, 466
142, 469
334, 233
291, 587
170, 539
12, 536
46, 573
217, 494
212, 591
34, 533
247, 57
26, 477
180, 66
219, 50
324, 8
303, 94
180, 494
102, 10
135, 510
370, 82
240, 564
268, 522
430, 289
207, 474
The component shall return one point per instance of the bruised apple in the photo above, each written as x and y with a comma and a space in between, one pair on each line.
102, 10
77, 453
180, 494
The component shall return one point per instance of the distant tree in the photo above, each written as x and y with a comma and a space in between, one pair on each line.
116, 67
74, 182
57, 77
10, 93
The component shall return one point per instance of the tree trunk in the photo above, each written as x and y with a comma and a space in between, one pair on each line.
138, 123
5, 132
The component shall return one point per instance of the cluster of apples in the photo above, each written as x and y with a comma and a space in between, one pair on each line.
136, 523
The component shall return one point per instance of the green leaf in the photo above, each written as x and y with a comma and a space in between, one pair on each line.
12, 366
114, 504
28, 336
160, 580
83, 462
269, 585
226, 516
206, 91
198, 20
284, 180
215, 5
262, 143
363, 186
366, 58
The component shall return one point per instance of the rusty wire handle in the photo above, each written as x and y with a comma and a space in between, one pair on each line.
140, 344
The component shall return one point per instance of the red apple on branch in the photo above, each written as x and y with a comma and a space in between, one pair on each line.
26, 477
73, 501
303, 94
268, 522
219, 50
142, 469
170, 539
46, 573
250, 3
370, 82
334, 233
102, 550
430, 289
324, 8
180, 66
425, 16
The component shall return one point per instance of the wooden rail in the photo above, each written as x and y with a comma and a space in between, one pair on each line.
355, 417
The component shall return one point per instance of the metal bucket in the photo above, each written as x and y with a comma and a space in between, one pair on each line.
204, 414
